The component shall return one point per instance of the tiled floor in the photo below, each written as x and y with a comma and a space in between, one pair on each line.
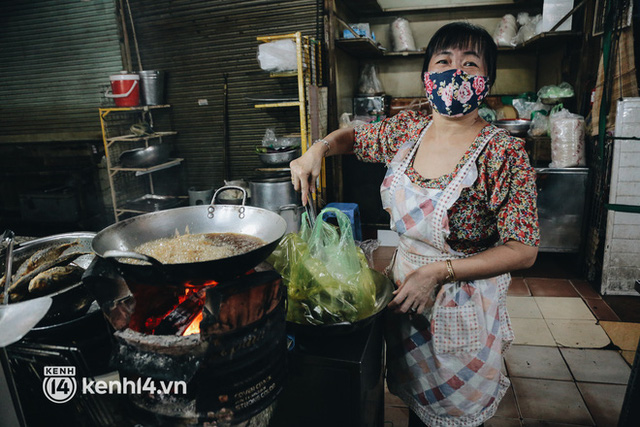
572, 355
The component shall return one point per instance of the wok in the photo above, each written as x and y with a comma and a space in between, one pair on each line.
120, 240
72, 301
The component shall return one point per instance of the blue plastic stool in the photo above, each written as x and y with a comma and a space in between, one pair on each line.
353, 212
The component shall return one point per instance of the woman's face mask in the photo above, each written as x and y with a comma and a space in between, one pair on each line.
455, 93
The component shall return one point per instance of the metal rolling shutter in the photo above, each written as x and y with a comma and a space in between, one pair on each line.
196, 43
56, 57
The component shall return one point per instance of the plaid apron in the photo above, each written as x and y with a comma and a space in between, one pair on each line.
444, 363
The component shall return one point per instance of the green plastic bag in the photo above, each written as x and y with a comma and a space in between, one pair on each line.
327, 275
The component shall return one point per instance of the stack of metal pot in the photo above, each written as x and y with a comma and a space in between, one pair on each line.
276, 193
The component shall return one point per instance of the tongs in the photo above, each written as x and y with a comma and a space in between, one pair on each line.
311, 211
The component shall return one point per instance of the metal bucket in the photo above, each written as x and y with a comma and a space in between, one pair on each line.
152, 85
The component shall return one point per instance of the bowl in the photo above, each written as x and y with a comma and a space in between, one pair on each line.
279, 158
516, 127
145, 157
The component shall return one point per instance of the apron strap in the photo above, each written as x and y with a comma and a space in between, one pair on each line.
404, 164
452, 192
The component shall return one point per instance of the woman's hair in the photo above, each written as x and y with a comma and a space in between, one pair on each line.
463, 35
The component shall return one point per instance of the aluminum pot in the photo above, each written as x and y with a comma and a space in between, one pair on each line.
272, 193
119, 240
279, 158
292, 214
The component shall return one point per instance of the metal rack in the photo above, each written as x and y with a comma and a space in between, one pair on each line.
309, 79
128, 194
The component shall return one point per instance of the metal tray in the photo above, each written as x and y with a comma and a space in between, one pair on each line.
152, 203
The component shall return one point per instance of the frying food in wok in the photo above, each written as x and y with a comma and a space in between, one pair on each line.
199, 247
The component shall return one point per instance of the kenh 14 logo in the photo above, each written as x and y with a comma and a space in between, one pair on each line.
59, 384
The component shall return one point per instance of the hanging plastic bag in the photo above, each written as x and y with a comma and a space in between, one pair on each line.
567, 132
327, 275
369, 84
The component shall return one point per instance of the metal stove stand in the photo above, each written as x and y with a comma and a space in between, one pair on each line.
335, 381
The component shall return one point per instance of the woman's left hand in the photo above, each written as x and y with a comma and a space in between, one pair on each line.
418, 292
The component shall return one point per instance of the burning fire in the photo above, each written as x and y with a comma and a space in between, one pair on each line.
169, 311
194, 327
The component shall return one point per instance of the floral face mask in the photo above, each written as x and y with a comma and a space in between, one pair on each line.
455, 93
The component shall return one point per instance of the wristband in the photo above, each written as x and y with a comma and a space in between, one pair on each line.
325, 143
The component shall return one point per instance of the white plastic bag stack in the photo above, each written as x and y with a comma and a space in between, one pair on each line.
279, 55
506, 31
401, 36
567, 132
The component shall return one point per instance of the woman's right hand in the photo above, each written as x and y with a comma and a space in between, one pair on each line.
306, 169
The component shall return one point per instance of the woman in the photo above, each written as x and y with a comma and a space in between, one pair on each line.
461, 195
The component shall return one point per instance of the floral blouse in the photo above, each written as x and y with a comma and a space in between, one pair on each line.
499, 206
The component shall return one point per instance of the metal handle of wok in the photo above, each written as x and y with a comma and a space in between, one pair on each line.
113, 254
230, 187
212, 206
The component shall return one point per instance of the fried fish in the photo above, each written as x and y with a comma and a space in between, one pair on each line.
55, 279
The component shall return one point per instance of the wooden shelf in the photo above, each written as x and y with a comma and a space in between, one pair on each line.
360, 48
365, 48
419, 53
372, 8
542, 40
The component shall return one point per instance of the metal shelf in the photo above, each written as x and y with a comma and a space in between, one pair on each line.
144, 171
309, 78
139, 137
278, 104
119, 181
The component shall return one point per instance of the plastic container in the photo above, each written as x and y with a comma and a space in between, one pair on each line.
125, 89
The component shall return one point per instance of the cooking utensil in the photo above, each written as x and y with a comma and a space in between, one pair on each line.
311, 211
278, 158
19, 318
384, 295
72, 301
120, 240
517, 127
145, 157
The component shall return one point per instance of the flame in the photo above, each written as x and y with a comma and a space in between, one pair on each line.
194, 327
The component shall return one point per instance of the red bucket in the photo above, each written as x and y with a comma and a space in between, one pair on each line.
126, 89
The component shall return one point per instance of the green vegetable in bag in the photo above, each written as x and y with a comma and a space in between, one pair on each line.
327, 275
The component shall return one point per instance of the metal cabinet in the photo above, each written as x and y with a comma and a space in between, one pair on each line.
561, 199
